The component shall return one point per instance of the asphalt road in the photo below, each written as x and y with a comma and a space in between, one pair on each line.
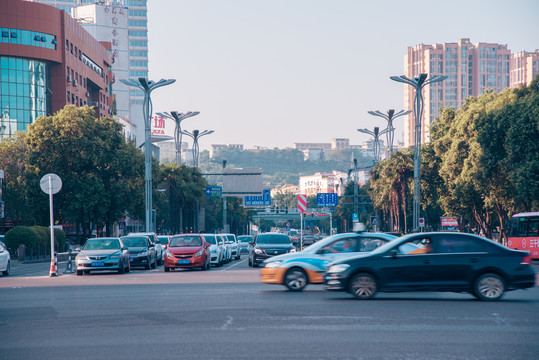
226, 313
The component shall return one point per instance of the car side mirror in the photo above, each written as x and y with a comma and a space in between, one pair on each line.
207, 245
125, 248
151, 246
393, 254
78, 249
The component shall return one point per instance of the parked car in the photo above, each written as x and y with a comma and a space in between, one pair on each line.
141, 251
244, 241
187, 251
109, 254
216, 250
227, 250
266, 245
298, 269
444, 261
5, 260
155, 240
234, 247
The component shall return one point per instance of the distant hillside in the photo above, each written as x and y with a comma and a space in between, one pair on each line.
281, 166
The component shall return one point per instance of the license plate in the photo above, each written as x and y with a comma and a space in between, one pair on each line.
183, 261
98, 264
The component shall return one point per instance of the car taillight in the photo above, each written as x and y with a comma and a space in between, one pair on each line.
527, 260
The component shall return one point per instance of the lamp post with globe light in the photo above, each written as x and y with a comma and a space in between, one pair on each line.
178, 117
147, 86
418, 83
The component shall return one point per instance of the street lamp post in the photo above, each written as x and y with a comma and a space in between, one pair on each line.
376, 134
418, 83
147, 86
195, 135
178, 117
390, 135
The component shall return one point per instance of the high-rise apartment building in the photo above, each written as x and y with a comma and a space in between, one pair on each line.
113, 19
524, 68
471, 70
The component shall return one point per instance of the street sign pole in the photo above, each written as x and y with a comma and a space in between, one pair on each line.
51, 184
301, 233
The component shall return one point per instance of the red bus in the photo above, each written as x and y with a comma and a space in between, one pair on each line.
524, 233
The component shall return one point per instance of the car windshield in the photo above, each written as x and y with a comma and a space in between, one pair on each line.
231, 238
102, 244
163, 239
185, 241
273, 239
210, 239
135, 241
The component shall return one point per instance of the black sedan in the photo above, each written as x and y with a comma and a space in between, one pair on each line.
453, 262
266, 245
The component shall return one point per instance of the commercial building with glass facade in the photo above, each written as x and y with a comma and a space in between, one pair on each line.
47, 60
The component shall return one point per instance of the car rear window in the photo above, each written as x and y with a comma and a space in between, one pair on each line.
210, 239
273, 239
185, 241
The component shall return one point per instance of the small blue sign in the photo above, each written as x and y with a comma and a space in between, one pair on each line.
214, 191
355, 217
374, 220
264, 200
327, 199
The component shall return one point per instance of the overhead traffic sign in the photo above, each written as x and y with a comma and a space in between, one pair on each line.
214, 191
264, 200
327, 199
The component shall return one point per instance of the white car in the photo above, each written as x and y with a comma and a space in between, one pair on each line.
234, 246
5, 260
226, 248
216, 250
159, 252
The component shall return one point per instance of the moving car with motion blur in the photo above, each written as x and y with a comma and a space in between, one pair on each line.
269, 244
187, 251
437, 261
141, 251
297, 270
103, 254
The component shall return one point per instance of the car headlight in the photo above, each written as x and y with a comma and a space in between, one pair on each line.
214, 251
169, 254
339, 268
292, 251
273, 264
82, 257
144, 253
258, 251
199, 253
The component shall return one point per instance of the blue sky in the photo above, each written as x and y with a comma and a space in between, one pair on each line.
272, 73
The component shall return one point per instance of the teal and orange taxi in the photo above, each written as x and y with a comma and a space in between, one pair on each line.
297, 270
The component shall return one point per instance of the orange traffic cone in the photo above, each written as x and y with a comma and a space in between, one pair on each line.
53, 271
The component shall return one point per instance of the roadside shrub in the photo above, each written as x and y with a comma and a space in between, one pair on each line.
59, 240
43, 243
21, 235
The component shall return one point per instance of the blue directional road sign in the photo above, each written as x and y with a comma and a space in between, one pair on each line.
214, 191
264, 200
327, 199
374, 221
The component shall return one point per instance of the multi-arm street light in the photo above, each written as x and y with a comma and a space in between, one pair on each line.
390, 135
418, 83
376, 134
147, 86
178, 117
195, 135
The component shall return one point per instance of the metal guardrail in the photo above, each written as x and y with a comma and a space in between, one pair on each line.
67, 257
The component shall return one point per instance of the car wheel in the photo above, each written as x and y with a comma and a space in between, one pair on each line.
363, 286
295, 279
249, 261
167, 269
121, 268
79, 272
489, 287
154, 264
6, 272
147, 266
87, 272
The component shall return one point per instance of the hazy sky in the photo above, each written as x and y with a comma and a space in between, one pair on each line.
276, 72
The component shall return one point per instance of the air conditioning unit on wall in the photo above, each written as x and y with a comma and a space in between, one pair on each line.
68, 78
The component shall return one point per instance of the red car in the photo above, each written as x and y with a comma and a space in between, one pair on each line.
187, 251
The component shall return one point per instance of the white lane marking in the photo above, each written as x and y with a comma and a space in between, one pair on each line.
227, 323
231, 266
